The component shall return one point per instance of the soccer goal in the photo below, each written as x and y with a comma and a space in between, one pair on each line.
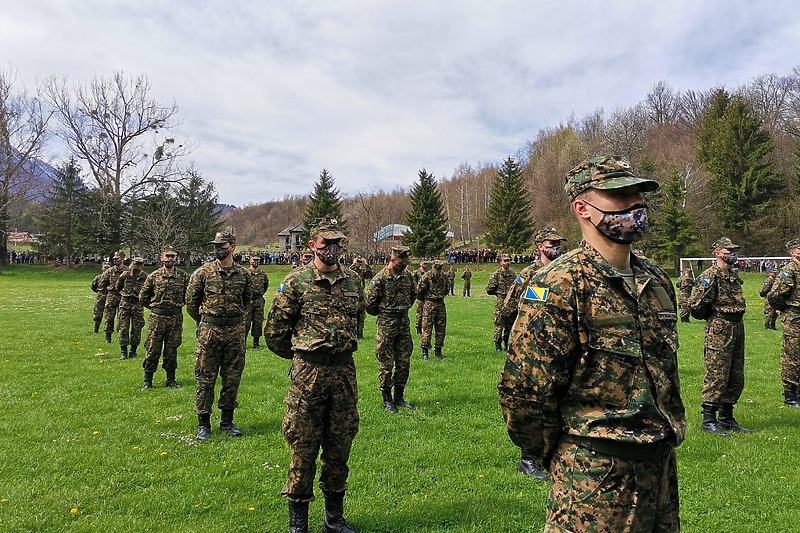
747, 264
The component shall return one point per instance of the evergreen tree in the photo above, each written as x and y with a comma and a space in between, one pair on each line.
428, 223
199, 213
509, 225
323, 202
672, 231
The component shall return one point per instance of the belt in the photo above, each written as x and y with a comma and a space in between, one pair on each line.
624, 450
733, 317
222, 321
795, 308
130, 299
325, 358
165, 312
393, 313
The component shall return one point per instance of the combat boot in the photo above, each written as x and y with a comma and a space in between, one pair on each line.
123, 351
505, 345
531, 467
96, 327
255, 343
203, 427
334, 511
726, 420
399, 400
133, 351
498, 347
388, 404
226, 424
108, 338
425, 354
171, 383
438, 353
790, 396
710, 423
298, 517
148, 381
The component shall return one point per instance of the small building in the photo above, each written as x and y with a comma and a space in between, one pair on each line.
290, 238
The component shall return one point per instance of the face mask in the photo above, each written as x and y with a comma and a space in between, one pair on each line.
329, 255
552, 252
730, 258
438, 267
624, 226
399, 267
222, 253
169, 264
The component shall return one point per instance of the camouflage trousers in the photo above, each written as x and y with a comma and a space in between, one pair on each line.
723, 357
110, 311
790, 349
465, 290
321, 412
360, 318
99, 306
418, 314
502, 322
683, 305
219, 352
393, 347
254, 318
131, 322
434, 315
164, 335
597, 493
770, 315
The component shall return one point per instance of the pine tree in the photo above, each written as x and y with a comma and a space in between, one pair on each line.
672, 231
428, 223
323, 202
199, 213
509, 225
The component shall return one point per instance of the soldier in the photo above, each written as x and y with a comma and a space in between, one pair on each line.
305, 258
100, 297
164, 293
499, 284
424, 266
364, 272
467, 277
216, 298
770, 313
391, 294
254, 317
590, 385
685, 285
432, 290
451, 280
785, 297
108, 283
718, 299
131, 312
312, 321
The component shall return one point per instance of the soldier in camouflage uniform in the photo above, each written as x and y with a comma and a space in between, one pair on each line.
312, 321
500, 282
685, 285
390, 295
467, 277
364, 272
718, 299
100, 297
451, 280
590, 385
424, 266
770, 314
164, 293
217, 298
431, 291
305, 258
131, 312
108, 283
254, 317
785, 296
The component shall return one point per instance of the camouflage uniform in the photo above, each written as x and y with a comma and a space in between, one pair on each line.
770, 314
467, 277
364, 272
432, 290
521, 282
254, 317
451, 280
418, 273
108, 283
131, 312
99, 299
785, 295
685, 285
500, 282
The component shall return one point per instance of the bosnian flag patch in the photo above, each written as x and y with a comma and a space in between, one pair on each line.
281, 287
537, 294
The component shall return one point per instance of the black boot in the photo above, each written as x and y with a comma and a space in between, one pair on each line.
399, 400
123, 351
133, 351
530, 466
425, 354
419, 330
438, 353
710, 423
298, 517
171, 383
498, 347
226, 424
108, 338
727, 422
255, 343
148, 381
334, 511
203, 427
97, 326
505, 345
790, 396
388, 404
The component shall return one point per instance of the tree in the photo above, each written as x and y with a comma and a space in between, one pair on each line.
672, 232
158, 221
323, 202
199, 213
508, 219
428, 235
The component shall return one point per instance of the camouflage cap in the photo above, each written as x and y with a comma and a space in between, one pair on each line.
505, 257
168, 250
137, 261
403, 253
106, 264
307, 253
119, 254
327, 228
724, 242
791, 245
438, 263
224, 236
604, 172
256, 258
547, 234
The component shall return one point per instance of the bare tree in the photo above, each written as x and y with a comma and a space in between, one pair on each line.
662, 105
158, 225
624, 133
771, 97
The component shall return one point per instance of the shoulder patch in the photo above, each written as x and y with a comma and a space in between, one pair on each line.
282, 287
706, 281
537, 294
372, 283
518, 281
784, 274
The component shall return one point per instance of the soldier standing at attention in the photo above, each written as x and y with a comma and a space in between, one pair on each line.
164, 293
770, 313
785, 296
254, 317
500, 283
108, 283
451, 280
216, 298
432, 290
685, 285
131, 312
718, 299
364, 272
100, 297
312, 321
424, 266
590, 385
467, 277
390, 295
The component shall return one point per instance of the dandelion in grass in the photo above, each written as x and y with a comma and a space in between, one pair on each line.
164, 454
95, 432
4, 500
74, 510
251, 509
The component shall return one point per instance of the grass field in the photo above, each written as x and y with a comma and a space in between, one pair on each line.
83, 449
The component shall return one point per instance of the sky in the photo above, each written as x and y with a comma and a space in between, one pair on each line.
270, 92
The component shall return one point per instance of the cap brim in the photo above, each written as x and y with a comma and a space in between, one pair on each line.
331, 235
645, 185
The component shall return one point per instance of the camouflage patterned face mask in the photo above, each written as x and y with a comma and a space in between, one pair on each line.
730, 258
624, 226
552, 252
329, 255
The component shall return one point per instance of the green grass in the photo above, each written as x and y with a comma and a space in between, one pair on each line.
79, 434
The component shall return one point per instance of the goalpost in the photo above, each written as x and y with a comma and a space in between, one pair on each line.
756, 261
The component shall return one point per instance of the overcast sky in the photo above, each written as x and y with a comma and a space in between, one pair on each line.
273, 91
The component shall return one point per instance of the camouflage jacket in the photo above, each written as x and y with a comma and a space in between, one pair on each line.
589, 357
685, 284
769, 281
466, 275
130, 283
784, 292
96, 284
418, 274
218, 292
108, 279
433, 286
521, 283
259, 283
311, 313
717, 292
164, 290
500, 282
390, 293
